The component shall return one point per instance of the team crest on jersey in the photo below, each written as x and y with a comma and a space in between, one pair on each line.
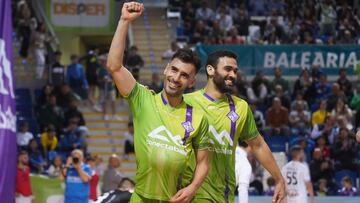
187, 126
233, 116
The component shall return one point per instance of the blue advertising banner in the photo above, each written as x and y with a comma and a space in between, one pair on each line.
290, 57
7, 108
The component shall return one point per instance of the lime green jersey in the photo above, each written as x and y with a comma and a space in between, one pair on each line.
164, 138
230, 119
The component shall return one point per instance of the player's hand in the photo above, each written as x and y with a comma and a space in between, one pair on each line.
132, 10
358, 136
279, 193
184, 195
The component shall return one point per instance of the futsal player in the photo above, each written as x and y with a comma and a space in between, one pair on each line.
166, 128
230, 119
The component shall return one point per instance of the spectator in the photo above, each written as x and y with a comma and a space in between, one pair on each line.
328, 18
201, 33
271, 186
347, 188
279, 80
134, 62
216, 34
121, 194
347, 38
73, 112
129, 139
41, 37
55, 169
188, 16
242, 22
71, 138
92, 66
258, 8
259, 88
225, 20
341, 109
344, 82
321, 143
57, 72
277, 118
318, 117
299, 98
49, 141
323, 189
99, 165
65, 96
107, 90
279, 92
320, 168
51, 114
77, 181
327, 129
170, 52
23, 136
336, 94
204, 13
233, 37
355, 104
323, 88
23, 185
156, 83
344, 151
258, 116
44, 96
273, 28
94, 181
299, 119
241, 85
75, 77
37, 162
112, 176
302, 84
26, 24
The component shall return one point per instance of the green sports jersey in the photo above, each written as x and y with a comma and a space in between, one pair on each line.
230, 119
164, 138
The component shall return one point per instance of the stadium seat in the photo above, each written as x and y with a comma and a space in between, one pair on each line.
277, 143
22, 94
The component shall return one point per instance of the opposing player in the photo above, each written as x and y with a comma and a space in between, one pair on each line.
166, 128
230, 119
297, 177
243, 171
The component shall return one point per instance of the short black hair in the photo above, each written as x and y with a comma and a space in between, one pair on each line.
213, 58
188, 56
126, 179
295, 150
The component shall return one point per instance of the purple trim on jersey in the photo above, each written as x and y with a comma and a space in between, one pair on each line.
187, 124
163, 99
233, 116
227, 189
209, 97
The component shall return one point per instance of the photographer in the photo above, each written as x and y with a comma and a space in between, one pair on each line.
77, 177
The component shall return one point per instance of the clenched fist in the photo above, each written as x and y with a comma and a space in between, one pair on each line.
132, 10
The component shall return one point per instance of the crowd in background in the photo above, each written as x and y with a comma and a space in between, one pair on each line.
271, 22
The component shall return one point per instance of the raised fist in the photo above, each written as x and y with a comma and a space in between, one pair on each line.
132, 10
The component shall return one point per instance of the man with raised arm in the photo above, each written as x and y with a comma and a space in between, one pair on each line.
230, 119
167, 129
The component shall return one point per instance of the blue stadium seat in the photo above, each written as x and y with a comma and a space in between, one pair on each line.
340, 174
277, 143
22, 94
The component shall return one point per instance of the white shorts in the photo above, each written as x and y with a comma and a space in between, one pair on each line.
23, 199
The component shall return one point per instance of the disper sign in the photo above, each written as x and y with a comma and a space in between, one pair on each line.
81, 15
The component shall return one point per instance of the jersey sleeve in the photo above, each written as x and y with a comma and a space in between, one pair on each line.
249, 130
201, 140
137, 98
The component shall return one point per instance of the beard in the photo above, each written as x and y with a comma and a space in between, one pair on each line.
220, 84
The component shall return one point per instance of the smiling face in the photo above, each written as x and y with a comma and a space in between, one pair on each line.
178, 76
224, 75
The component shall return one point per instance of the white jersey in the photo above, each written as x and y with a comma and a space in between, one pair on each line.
296, 174
243, 168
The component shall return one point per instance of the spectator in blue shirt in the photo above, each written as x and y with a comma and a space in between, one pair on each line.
36, 161
323, 88
75, 77
77, 178
71, 138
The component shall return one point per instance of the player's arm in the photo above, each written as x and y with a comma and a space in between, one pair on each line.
202, 166
309, 188
124, 80
263, 154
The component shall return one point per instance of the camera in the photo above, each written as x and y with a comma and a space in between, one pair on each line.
75, 160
